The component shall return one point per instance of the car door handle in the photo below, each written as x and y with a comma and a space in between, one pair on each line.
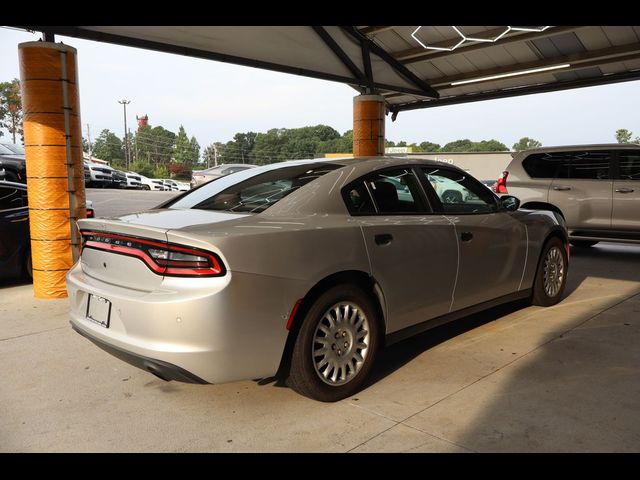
561, 188
624, 190
383, 239
466, 236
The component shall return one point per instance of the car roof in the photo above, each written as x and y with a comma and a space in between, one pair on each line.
593, 146
13, 184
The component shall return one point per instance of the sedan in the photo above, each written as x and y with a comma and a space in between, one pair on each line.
305, 269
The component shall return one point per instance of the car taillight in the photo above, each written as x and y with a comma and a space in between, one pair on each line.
162, 258
501, 184
89, 213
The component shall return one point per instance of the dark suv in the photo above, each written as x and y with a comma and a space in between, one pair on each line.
596, 188
12, 161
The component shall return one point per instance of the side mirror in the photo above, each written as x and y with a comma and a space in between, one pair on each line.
510, 203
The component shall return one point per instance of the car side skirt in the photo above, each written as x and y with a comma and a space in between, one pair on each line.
405, 333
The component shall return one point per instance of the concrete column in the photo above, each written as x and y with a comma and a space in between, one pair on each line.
368, 125
55, 170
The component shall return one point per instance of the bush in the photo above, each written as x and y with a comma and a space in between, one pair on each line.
161, 172
143, 168
180, 171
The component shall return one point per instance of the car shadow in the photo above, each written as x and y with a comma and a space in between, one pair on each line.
399, 354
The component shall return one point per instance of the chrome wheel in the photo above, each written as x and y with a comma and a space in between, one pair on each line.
553, 271
340, 343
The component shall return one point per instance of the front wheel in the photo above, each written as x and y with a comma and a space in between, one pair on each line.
551, 276
336, 345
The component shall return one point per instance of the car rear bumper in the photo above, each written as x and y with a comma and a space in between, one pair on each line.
164, 370
215, 330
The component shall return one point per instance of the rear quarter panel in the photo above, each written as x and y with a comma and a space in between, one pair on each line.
540, 225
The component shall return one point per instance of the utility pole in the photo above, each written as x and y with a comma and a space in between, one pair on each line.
215, 155
136, 145
124, 103
90, 146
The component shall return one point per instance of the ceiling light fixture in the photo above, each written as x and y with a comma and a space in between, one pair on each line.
464, 38
511, 74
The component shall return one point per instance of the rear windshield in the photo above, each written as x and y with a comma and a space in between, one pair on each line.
254, 194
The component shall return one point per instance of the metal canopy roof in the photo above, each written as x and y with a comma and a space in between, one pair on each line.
412, 67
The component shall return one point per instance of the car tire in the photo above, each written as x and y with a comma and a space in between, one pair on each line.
551, 275
146, 187
583, 243
342, 326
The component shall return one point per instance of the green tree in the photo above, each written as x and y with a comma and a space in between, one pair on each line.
194, 151
525, 143
11, 109
624, 136
429, 146
143, 168
401, 144
155, 144
389, 143
490, 146
466, 145
182, 148
108, 147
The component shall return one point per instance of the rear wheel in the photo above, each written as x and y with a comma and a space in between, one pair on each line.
336, 345
146, 187
551, 277
583, 243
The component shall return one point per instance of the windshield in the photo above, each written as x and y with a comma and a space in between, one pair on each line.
254, 194
13, 148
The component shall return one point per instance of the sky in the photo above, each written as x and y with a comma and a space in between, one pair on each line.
214, 101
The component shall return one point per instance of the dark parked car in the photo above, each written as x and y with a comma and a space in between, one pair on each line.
12, 161
15, 250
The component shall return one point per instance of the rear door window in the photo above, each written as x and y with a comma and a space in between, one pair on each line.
582, 164
585, 165
390, 192
629, 165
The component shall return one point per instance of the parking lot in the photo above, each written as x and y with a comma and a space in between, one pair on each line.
513, 378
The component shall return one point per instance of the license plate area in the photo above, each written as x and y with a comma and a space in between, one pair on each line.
98, 310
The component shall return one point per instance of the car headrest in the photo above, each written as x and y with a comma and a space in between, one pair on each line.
386, 195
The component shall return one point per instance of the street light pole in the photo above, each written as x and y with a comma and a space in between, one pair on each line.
124, 103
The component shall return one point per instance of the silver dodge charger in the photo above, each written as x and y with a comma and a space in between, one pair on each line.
305, 269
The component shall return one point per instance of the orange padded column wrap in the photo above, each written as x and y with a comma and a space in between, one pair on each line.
368, 125
55, 170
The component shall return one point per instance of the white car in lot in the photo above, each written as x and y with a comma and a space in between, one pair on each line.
151, 183
133, 180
